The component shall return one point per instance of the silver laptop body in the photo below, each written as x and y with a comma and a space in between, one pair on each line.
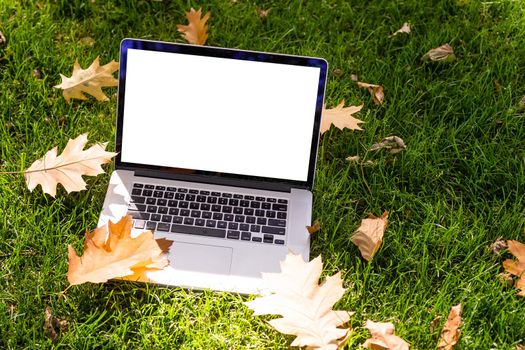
217, 150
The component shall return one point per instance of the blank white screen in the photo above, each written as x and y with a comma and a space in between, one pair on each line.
219, 115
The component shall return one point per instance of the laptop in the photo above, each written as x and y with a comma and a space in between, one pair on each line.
216, 152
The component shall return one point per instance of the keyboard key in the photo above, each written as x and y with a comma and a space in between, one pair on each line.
244, 203
139, 224
172, 203
205, 206
204, 193
256, 239
139, 215
216, 194
237, 210
279, 241
271, 200
162, 201
160, 188
194, 205
261, 221
169, 195
166, 218
183, 204
138, 185
233, 234
217, 216
250, 219
158, 194
162, 210
282, 201
266, 206
246, 236
222, 224
174, 211
226, 209
206, 215
255, 205
171, 189
227, 195
273, 230
255, 228
281, 215
152, 209
270, 214
260, 199
136, 192
147, 193
195, 214
155, 217
268, 239
211, 200
259, 212
162, 226
190, 197
228, 217
194, 191
274, 222
201, 199
151, 225
201, 231
136, 207
178, 220
223, 201
151, 200
237, 196
239, 218
233, 226
149, 187
184, 212
250, 198
188, 221
216, 208
279, 207
179, 196
211, 223
233, 202
137, 199
199, 222
182, 190
244, 227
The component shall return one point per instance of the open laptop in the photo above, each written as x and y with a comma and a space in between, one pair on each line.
216, 151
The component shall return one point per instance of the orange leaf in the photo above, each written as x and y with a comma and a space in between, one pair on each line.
369, 236
451, 332
196, 30
517, 268
90, 81
115, 254
68, 168
314, 228
341, 117
375, 90
383, 337
305, 306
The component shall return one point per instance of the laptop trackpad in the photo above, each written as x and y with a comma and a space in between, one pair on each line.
201, 258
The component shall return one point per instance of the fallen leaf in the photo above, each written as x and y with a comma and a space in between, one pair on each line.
337, 72
498, 245
341, 117
517, 268
375, 90
53, 326
405, 28
444, 53
451, 332
392, 144
369, 236
314, 228
68, 168
87, 40
434, 323
263, 14
354, 77
520, 347
383, 337
3, 40
353, 159
110, 252
90, 81
196, 30
305, 306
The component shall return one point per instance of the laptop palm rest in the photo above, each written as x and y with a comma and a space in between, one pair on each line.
201, 258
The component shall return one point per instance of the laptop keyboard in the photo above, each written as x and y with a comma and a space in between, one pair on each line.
208, 213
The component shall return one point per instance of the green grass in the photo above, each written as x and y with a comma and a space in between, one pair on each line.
459, 185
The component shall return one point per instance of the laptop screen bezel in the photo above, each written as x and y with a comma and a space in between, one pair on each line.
196, 175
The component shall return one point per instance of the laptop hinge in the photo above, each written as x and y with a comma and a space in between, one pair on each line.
271, 186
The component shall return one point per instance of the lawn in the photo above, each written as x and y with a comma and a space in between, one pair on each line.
457, 187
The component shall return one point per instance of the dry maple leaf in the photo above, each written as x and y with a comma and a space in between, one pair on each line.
90, 81
451, 332
392, 144
196, 30
369, 236
517, 268
305, 306
53, 326
341, 117
375, 90
68, 168
444, 53
404, 29
115, 254
314, 228
383, 337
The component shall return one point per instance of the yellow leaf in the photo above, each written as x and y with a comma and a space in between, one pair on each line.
517, 268
341, 117
305, 306
369, 236
90, 81
68, 168
451, 332
375, 90
196, 30
115, 254
383, 337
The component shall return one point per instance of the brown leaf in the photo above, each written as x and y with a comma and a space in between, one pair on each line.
517, 268
263, 13
444, 53
498, 245
3, 40
383, 337
451, 332
353, 159
196, 30
87, 40
369, 236
314, 228
392, 144
115, 254
405, 28
434, 323
341, 117
375, 90
68, 168
89, 81
53, 326
305, 306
